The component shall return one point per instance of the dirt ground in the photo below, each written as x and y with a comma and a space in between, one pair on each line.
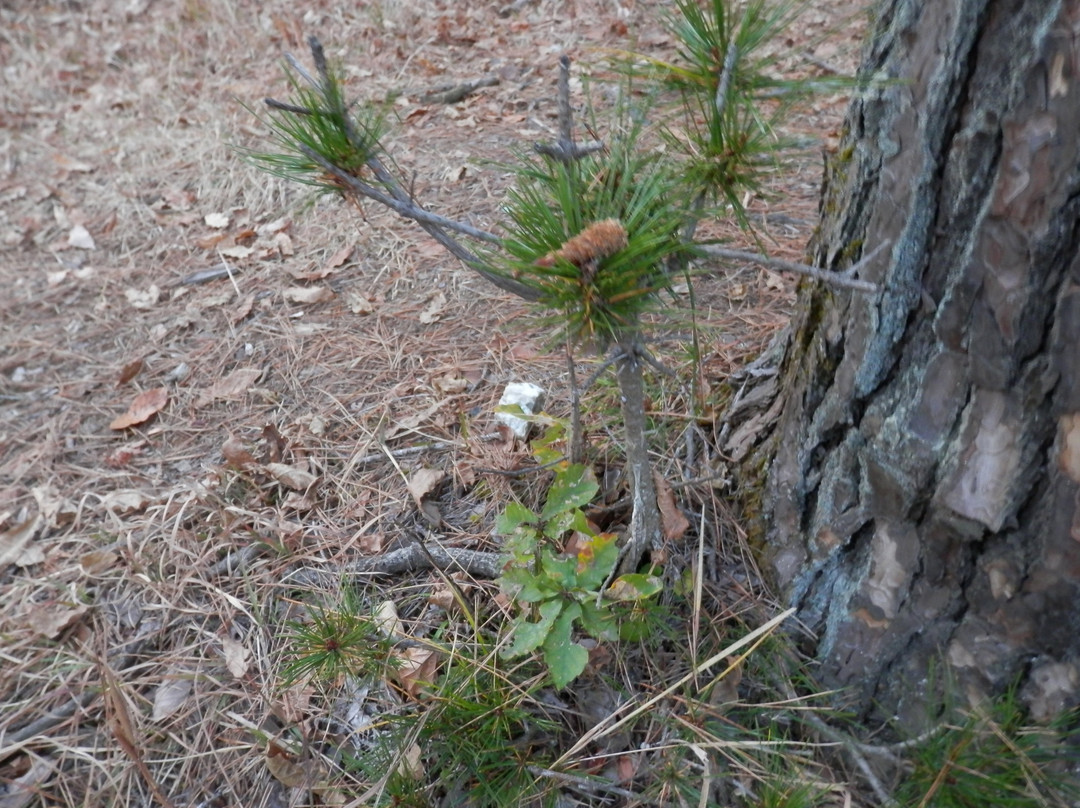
170, 315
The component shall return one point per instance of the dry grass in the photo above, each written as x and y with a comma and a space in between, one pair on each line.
136, 669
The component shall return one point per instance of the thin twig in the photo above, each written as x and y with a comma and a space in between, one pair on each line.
409, 451
564, 149
616, 355
852, 748
40, 726
397, 198
236, 561
319, 57
590, 786
403, 207
722, 87
656, 364
432, 223
524, 471
566, 121
294, 63
292, 109
844, 279
577, 439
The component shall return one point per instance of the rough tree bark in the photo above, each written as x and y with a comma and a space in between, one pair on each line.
922, 482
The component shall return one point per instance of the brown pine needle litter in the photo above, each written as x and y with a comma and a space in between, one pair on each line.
140, 664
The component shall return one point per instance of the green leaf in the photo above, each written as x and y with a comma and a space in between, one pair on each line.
634, 587
523, 585
561, 570
512, 518
598, 621
595, 560
545, 448
528, 636
565, 659
572, 488
565, 522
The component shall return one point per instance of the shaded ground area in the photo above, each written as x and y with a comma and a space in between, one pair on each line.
145, 263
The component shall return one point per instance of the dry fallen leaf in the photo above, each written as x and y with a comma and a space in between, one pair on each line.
285, 768
410, 422
129, 371
14, 541
294, 701
420, 485
443, 597
140, 299
57, 510
216, 220
296, 501
25, 789
387, 621
243, 309
144, 407
238, 252
672, 520
123, 455
80, 238
434, 309
411, 763
416, 668
452, 382
97, 561
293, 477
126, 502
171, 694
283, 244
340, 257
275, 444
276, 226
309, 294
774, 281
423, 482
236, 455
359, 303
211, 241
52, 619
370, 543
309, 274
236, 656
233, 385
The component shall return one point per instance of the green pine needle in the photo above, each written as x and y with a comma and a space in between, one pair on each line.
317, 121
597, 301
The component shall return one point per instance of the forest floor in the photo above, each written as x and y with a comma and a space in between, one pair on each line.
195, 359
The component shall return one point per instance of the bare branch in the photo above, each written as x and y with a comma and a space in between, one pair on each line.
319, 57
726, 73
564, 149
432, 223
414, 556
566, 120
844, 279
403, 207
294, 63
292, 108
452, 93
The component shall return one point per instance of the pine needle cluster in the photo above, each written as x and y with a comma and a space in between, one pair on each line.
593, 238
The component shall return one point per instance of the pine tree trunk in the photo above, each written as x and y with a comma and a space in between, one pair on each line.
922, 481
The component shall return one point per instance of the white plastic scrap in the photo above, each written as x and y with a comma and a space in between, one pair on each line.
529, 397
